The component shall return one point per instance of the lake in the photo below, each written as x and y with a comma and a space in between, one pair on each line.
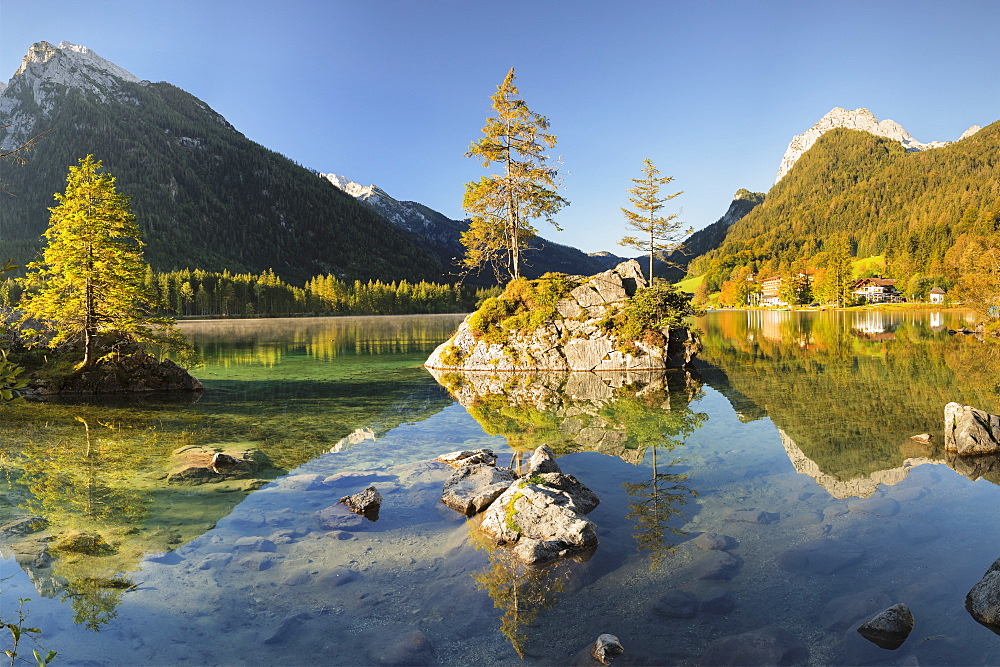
776, 493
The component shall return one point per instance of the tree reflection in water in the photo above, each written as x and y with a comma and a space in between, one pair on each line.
521, 591
628, 415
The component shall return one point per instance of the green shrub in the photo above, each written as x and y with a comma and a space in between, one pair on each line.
524, 305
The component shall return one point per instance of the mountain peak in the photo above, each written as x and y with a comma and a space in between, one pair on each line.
64, 64
46, 72
857, 119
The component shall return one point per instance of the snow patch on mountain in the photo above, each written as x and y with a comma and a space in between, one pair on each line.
46, 72
407, 215
857, 119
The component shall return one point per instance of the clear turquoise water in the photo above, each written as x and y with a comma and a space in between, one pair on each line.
807, 417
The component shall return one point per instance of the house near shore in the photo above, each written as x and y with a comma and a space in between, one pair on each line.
876, 290
770, 288
936, 295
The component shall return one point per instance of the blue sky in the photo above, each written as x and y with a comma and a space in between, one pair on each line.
392, 92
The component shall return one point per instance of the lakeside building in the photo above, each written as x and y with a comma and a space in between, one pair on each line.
876, 290
936, 295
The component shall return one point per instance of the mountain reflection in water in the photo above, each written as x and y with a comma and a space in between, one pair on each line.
775, 496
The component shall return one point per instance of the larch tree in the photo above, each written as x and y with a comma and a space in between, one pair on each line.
502, 206
91, 278
658, 232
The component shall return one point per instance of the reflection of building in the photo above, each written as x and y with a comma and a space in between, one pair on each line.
936, 295
876, 290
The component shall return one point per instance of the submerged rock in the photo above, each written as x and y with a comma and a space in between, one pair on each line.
970, 431
676, 603
214, 463
472, 488
820, 556
366, 503
766, 646
842, 612
890, 628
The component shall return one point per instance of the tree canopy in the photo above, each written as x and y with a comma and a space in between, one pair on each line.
502, 206
92, 276
658, 232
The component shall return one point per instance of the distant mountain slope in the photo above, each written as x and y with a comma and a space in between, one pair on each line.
205, 195
920, 209
858, 119
443, 235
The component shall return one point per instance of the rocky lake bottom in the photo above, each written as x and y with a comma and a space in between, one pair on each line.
737, 541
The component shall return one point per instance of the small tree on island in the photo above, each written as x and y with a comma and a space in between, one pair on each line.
658, 232
91, 278
503, 205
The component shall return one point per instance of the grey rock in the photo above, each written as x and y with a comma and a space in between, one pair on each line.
367, 503
820, 556
541, 461
983, 600
606, 648
472, 488
256, 562
584, 499
766, 646
844, 611
714, 542
889, 628
337, 576
547, 515
970, 431
467, 457
676, 603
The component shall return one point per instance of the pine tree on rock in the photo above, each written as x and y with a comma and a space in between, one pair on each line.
91, 278
659, 233
503, 205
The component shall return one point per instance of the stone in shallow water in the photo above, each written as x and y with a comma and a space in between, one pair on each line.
714, 542
676, 603
542, 460
338, 517
842, 612
889, 628
367, 503
252, 544
802, 519
766, 646
716, 565
467, 457
718, 600
472, 488
983, 600
398, 645
754, 516
287, 627
820, 556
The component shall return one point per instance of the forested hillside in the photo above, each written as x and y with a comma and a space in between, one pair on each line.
930, 213
205, 195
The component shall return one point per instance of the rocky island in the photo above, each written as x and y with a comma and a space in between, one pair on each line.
612, 321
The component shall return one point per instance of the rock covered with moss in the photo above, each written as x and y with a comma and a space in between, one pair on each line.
610, 321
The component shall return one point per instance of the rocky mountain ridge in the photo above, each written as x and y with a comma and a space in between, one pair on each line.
856, 119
